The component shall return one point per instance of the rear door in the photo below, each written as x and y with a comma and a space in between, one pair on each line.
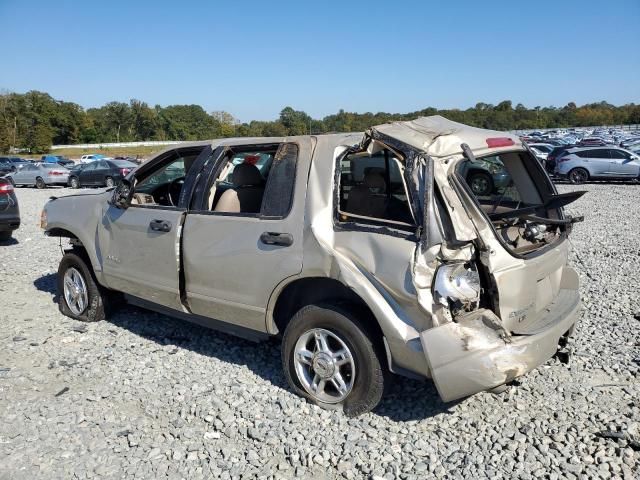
234, 259
100, 172
141, 244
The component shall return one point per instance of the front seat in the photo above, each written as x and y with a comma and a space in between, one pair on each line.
247, 191
362, 199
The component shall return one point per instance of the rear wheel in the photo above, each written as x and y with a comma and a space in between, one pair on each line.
578, 176
480, 183
74, 182
329, 358
40, 183
109, 182
79, 295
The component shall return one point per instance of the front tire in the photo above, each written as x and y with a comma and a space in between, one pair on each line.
40, 183
329, 358
578, 176
79, 295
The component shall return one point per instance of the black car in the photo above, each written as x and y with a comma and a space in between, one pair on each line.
100, 173
9, 212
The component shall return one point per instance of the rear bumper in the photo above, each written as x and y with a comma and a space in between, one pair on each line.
472, 355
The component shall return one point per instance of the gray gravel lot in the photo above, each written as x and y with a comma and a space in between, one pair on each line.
146, 396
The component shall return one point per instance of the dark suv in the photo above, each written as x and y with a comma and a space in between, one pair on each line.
9, 212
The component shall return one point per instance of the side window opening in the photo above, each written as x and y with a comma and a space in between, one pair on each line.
163, 184
255, 180
372, 187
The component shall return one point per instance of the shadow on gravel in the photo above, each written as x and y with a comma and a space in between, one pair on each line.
47, 283
406, 400
10, 241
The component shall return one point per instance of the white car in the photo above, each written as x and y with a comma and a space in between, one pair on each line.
92, 158
541, 150
598, 163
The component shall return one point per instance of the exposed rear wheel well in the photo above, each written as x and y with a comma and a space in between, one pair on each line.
318, 290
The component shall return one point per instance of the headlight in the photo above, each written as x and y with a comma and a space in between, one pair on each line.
457, 286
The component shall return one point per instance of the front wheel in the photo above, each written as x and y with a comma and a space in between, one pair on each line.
74, 182
109, 182
40, 183
79, 295
578, 176
329, 358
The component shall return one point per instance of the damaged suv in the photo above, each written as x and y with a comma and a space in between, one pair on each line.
368, 253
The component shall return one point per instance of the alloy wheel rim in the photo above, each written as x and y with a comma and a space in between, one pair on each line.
75, 291
109, 182
324, 365
579, 176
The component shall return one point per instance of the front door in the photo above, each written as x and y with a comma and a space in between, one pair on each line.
141, 244
243, 235
624, 164
86, 174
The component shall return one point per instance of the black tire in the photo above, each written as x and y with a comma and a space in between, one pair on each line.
74, 182
108, 181
40, 183
370, 374
578, 175
480, 183
96, 307
4, 236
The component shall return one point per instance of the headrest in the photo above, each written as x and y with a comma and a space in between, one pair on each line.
246, 174
374, 180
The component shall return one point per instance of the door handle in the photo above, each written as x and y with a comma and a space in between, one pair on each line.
160, 226
275, 238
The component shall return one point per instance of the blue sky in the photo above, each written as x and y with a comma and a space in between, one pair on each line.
252, 58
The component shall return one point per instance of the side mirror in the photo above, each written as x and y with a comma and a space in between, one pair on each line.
122, 194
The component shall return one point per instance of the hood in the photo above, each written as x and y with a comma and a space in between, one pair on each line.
439, 137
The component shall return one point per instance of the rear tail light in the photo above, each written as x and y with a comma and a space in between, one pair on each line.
125, 171
500, 142
56, 172
562, 159
6, 189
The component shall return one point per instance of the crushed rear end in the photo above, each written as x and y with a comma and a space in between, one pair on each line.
497, 287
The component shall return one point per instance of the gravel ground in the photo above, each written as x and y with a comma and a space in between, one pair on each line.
146, 396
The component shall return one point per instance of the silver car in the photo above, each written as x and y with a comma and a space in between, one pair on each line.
579, 165
368, 253
41, 175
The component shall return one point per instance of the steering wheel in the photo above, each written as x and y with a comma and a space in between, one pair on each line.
173, 190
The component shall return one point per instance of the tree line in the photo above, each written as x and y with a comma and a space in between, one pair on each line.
35, 120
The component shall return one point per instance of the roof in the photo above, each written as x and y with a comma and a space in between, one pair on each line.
439, 137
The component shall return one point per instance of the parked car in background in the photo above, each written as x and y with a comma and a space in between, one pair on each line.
91, 157
541, 150
362, 272
485, 175
101, 173
592, 142
581, 164
10, 164
41, 175
9, 211
60, 160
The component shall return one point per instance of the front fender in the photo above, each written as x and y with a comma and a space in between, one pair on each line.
79, 216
